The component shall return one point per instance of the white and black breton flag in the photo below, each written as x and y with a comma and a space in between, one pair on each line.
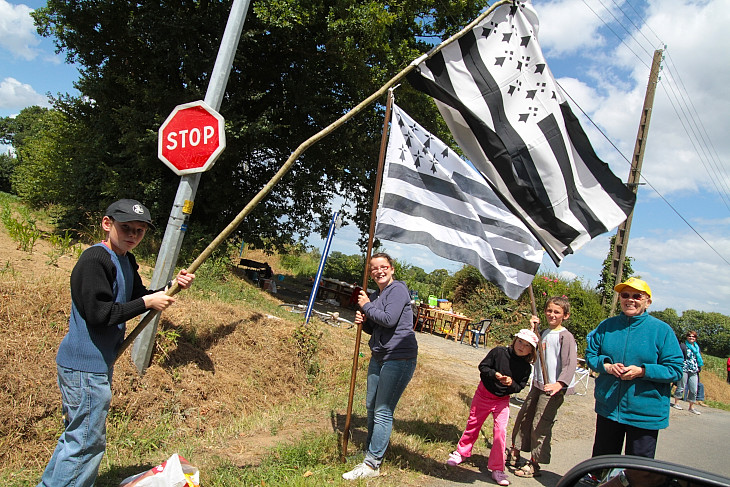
504, 109
430, 196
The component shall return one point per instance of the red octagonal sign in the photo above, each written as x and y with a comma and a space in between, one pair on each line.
191, 138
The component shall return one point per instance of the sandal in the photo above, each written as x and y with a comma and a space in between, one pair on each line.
513, 458
528, 471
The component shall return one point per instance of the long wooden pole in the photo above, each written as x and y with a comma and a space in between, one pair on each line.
621, 241
226, 232
539, 336
358, 334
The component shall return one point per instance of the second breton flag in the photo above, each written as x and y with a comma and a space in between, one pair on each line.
430, 196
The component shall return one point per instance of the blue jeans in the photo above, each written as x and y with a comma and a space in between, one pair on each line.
687, 387
85, 400
386, 382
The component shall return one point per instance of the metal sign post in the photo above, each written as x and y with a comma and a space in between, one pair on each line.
183, 204
335, 223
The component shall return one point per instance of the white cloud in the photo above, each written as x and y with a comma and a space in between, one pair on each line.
557, 37
17, 32
14, 94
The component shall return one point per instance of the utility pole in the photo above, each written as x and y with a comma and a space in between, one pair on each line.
622, 233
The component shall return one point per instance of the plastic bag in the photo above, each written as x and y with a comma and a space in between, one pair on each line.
175, 472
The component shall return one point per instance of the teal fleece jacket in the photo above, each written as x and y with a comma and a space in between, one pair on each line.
643, 341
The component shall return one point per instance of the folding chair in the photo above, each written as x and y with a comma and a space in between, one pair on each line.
477, 331
580, 380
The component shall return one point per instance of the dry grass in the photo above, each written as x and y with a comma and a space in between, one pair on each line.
716, 389
227, 362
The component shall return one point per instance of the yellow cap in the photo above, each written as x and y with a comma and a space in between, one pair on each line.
635, 283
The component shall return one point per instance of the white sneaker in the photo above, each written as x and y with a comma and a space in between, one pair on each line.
454, 458
361, 471
500, 477
694, 411
676, 406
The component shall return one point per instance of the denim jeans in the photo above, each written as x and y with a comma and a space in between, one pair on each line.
689, 383
85, 400
386, 382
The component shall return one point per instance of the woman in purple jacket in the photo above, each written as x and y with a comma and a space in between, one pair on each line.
388, 317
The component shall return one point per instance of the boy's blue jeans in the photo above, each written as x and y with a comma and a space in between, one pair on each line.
386, 382
85, 398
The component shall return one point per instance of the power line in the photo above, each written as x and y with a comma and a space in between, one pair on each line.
642, 176
614, 32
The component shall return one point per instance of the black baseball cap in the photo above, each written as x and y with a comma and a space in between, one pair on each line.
129, 211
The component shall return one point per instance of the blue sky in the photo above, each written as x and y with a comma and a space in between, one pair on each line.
600, 52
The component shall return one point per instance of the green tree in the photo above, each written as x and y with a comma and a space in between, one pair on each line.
608, 279
348, 268
7, 167
300, 65
668, 316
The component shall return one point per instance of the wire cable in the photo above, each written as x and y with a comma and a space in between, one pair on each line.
642, 176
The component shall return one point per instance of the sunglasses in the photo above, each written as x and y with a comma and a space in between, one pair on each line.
636, 296
692, 336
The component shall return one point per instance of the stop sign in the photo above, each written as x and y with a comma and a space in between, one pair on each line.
191, 138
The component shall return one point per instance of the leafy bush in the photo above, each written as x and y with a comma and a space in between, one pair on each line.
480, 299
300, 261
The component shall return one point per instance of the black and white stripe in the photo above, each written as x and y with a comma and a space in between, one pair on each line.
503, 106
430, 196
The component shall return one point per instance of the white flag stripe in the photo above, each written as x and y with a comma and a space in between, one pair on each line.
432, 197
505, 111
495, 221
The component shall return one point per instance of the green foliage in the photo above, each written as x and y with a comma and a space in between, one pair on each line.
348, 268
480, 299
60, 246
316, 455
314, 62
24, 233
299, 261
608, 279
713, 329
7, 167
585, 303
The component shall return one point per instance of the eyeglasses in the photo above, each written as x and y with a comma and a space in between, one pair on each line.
636, 296
692, 336
382, 268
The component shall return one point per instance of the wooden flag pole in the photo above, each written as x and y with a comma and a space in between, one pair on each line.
226, 232
358, 334
539, 337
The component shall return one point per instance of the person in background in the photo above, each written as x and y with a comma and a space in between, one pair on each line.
728, 370
387, 316
637, 357
504, 371
532, 431
690, 372
106, 291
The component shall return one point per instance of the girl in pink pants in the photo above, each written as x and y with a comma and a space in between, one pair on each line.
504, 371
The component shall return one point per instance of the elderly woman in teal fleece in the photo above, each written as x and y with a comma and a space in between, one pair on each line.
637, 357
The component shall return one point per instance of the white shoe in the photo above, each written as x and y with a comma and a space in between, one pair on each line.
677, 406
500, 477
454, 458
361, 471
694, 411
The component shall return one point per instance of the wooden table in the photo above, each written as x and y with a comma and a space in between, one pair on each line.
451, 324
